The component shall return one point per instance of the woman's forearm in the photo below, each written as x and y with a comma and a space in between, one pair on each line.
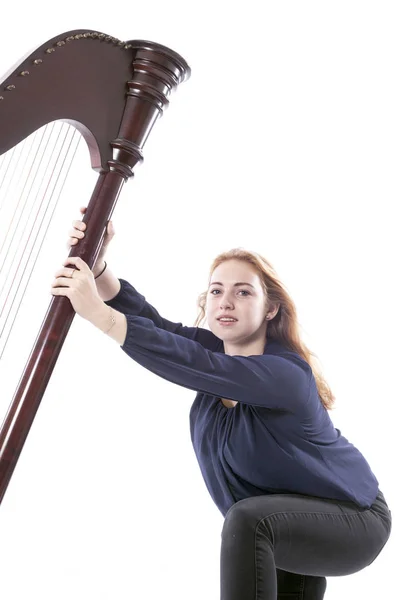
111, 322
108, 285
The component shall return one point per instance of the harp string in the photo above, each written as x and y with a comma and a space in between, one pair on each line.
16, 198
6, 167
12, 185
59, 174
18, 151
58, 183
22, 216
39, 195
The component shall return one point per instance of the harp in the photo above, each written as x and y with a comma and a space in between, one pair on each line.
112, 92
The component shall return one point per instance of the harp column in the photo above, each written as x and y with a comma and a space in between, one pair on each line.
157, 72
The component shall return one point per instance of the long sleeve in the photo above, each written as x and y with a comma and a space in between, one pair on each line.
130, 302
263, 380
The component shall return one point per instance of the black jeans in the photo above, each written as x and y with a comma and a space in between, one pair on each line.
283, 546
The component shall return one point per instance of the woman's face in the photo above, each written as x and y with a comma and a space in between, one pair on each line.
235, 290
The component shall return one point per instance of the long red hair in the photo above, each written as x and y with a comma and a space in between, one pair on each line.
284, 327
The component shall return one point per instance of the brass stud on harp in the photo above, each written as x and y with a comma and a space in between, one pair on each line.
50, 50
1, 98
10, 87
37, 61
24, 73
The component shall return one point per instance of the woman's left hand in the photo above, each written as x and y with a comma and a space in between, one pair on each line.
80, 288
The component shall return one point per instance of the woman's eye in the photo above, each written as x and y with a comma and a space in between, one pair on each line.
212, 292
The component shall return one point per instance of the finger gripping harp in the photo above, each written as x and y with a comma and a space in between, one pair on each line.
112, 92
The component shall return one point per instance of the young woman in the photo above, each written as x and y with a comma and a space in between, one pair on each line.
300, 502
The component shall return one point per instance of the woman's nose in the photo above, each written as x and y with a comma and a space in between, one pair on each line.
225, 303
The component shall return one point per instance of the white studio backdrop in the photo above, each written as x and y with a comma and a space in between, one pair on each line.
285, 141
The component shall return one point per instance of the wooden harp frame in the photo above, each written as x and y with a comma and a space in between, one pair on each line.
112, 92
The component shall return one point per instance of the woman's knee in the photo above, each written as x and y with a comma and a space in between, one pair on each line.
245, 515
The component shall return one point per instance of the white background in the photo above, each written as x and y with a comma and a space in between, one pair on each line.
284, 141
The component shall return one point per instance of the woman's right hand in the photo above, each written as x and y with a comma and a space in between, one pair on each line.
78, 232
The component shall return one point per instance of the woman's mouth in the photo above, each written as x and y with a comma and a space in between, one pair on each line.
227, 323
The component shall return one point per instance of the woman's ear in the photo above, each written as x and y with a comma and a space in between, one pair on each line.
273, 311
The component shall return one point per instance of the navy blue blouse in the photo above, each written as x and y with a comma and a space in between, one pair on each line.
279, 438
